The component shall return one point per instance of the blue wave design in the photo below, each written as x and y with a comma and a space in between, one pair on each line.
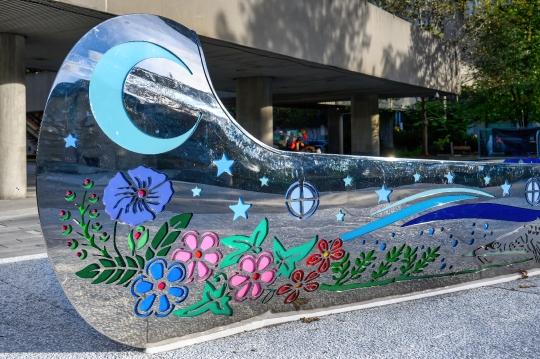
493, 211
433, 192
405, 212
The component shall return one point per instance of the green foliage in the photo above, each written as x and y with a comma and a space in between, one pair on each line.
341, 268
244, 244
392, 256
215, 300
286, 259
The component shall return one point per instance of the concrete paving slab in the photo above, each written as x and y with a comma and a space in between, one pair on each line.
37, 321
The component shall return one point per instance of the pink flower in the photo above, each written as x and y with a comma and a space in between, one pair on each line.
202, 254
255, 272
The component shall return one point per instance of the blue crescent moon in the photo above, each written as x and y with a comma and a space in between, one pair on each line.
106, 97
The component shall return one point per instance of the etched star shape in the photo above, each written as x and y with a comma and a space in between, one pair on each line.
417, 177
384, 194
224, 165
196, 191
240, 209
71, 141
450, 177
264, 181
348, 180
340, 216
506, 188
487, 179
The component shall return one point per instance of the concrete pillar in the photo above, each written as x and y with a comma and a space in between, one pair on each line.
387, 133
365, 125
12, 117
254, 107
335, 131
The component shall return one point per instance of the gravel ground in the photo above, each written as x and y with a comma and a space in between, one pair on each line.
501, 321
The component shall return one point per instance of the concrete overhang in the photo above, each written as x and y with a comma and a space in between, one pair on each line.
315, 50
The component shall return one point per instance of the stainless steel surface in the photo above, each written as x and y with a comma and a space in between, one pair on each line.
164, 101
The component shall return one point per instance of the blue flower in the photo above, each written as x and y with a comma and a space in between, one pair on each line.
137, 199
158, 291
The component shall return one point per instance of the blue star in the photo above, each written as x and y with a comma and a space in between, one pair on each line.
224, 165
71, 141
384, 194
417, 176
506, 188
450, 177
340, 216
196, 191
264, 181
348, 181
240, 209
487, 179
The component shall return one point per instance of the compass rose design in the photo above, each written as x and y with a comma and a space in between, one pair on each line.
302, 199
532, 191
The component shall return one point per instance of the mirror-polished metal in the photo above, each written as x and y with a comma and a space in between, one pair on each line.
164, 219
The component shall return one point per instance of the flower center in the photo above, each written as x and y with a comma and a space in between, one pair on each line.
198, 254
256, 276
161, 286
142, 193
298, 285
326, 254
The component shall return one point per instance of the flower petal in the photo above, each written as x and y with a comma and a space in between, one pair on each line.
190, 239
190, 271
264, 260
147, 303
157, 269
213, 257
292, 297
146, 177
135, 216
242, 293
337, 254
311, 287
311, 276
297, 275
325, 265
313, 259
164, 303
209, 240
160, 196
176, 274
204, 271
238, 279
180, 292
256, 291
247, 263
143, 287
323, 245
181, 255
117, 195
336, 243
268, 277
285, 288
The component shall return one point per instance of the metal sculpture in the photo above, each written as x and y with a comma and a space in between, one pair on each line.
164, 219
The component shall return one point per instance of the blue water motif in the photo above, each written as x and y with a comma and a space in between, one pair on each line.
403, 213
491, 211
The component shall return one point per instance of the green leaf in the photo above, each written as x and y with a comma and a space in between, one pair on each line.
160, 235
131, 242
116, 276
103, 276
149, 254
286, 259
120, 261
131, 262
342, 268
140, 261
164, 251
181, 221
90, 271
171, 238
244, 244
107, 263
213, 300
127, 276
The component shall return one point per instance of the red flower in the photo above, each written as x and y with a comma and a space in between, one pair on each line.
335, 253
299, 283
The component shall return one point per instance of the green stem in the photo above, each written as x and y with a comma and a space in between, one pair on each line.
114, 239
85, 225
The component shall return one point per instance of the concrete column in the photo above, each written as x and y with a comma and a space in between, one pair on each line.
387, 133
365, 125
335, 131
12, 117
254, 107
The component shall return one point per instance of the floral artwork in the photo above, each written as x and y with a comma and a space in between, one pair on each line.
161, 269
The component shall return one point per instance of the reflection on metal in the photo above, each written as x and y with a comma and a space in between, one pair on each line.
140, 249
